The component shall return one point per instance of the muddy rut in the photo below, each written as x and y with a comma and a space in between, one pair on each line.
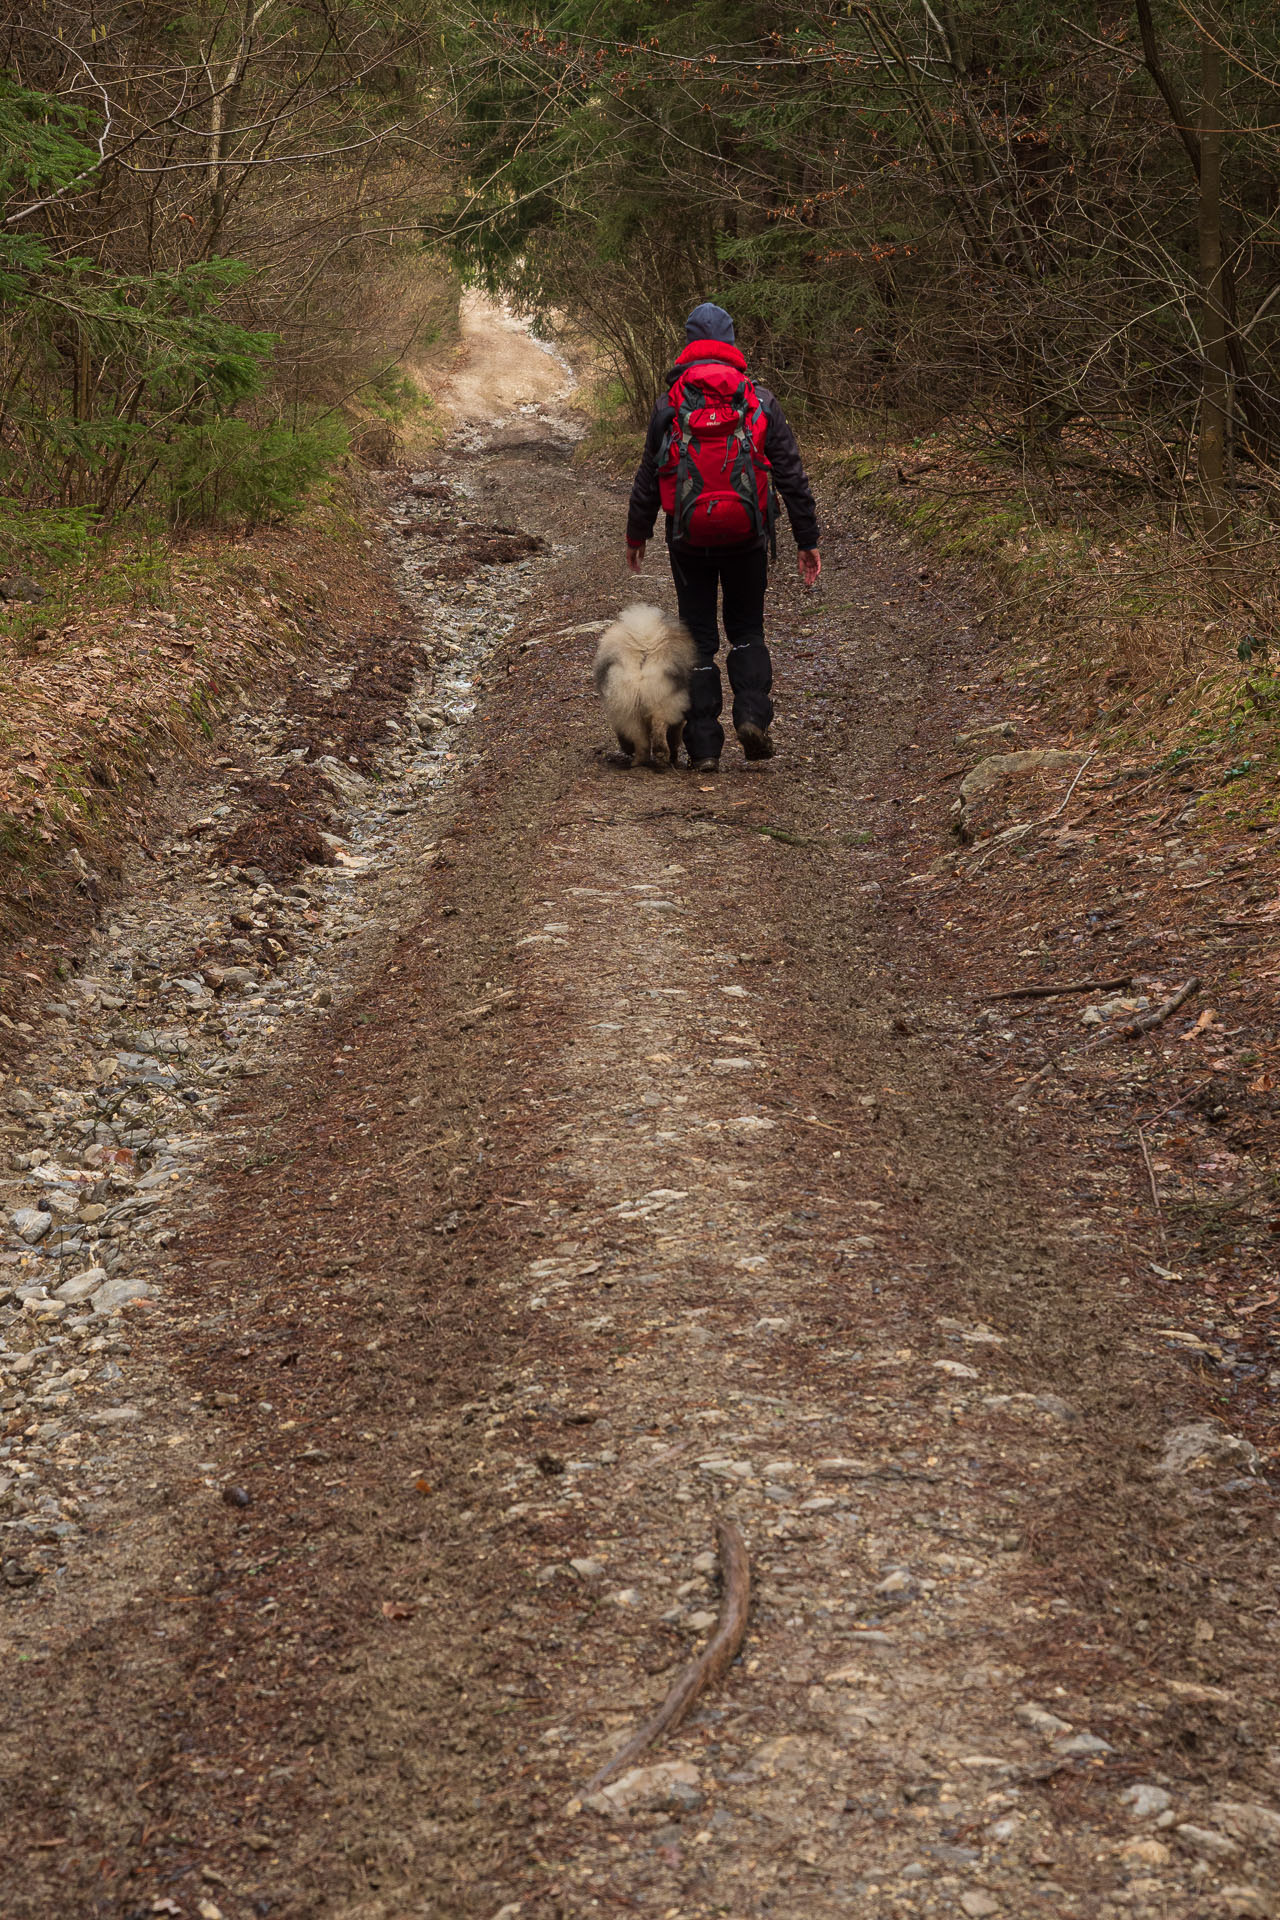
628, 1173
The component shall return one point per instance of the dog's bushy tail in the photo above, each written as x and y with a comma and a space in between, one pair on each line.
642, 669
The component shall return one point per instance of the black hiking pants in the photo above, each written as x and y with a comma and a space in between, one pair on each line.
741, 574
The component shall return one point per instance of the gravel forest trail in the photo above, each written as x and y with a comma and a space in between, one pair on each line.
621, 1169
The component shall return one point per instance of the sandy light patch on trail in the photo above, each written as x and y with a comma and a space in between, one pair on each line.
501, 366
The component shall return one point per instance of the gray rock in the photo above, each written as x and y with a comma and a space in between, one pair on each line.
1143, 1800
1080, 1746
1203, 1840
1201, 1444
979, 736
1249, 1822
351, 785
31, 1224
1001, 766
117, 1293
114, 1417
81, 1285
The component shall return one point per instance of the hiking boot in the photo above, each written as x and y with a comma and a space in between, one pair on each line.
704, 766
756, 743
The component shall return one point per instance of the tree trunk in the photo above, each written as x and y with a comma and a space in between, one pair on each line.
1215, 403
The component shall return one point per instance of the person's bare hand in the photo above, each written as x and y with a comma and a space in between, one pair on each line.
809, 561
635, 555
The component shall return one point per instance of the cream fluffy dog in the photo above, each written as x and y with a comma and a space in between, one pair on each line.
642, 670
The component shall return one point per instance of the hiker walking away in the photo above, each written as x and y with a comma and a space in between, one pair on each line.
717, 447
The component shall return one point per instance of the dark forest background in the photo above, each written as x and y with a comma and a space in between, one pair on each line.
226, 227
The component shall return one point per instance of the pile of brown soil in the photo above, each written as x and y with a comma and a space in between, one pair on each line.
285, 833
472, 544
350, 721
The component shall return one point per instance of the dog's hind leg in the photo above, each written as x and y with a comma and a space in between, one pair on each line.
625, 754
659, 751
675, 735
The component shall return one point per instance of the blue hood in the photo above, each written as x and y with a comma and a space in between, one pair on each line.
709, 322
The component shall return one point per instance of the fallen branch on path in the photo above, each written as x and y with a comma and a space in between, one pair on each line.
1131, 1030
1075, 986
711, 1664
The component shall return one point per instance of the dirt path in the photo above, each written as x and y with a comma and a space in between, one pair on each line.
607, 1159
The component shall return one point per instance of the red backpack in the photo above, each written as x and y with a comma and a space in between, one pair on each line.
714, 477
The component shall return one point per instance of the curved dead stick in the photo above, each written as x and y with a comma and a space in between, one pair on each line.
715, 1659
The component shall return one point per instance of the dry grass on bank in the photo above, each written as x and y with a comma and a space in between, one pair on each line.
1130, 635
135, 662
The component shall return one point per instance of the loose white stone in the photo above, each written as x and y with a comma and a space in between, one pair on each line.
1144, 1800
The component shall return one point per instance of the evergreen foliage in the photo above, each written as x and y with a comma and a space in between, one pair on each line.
197, 209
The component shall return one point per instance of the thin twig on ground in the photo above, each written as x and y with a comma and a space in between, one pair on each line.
1131, 793
714, 1661
1155, 1191
1074, 986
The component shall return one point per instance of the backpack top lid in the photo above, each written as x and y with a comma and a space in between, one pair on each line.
700, 352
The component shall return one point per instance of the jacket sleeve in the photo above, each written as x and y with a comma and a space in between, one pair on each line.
789, 476
642, 512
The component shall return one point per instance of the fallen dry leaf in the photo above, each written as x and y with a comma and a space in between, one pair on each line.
1206, 1019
